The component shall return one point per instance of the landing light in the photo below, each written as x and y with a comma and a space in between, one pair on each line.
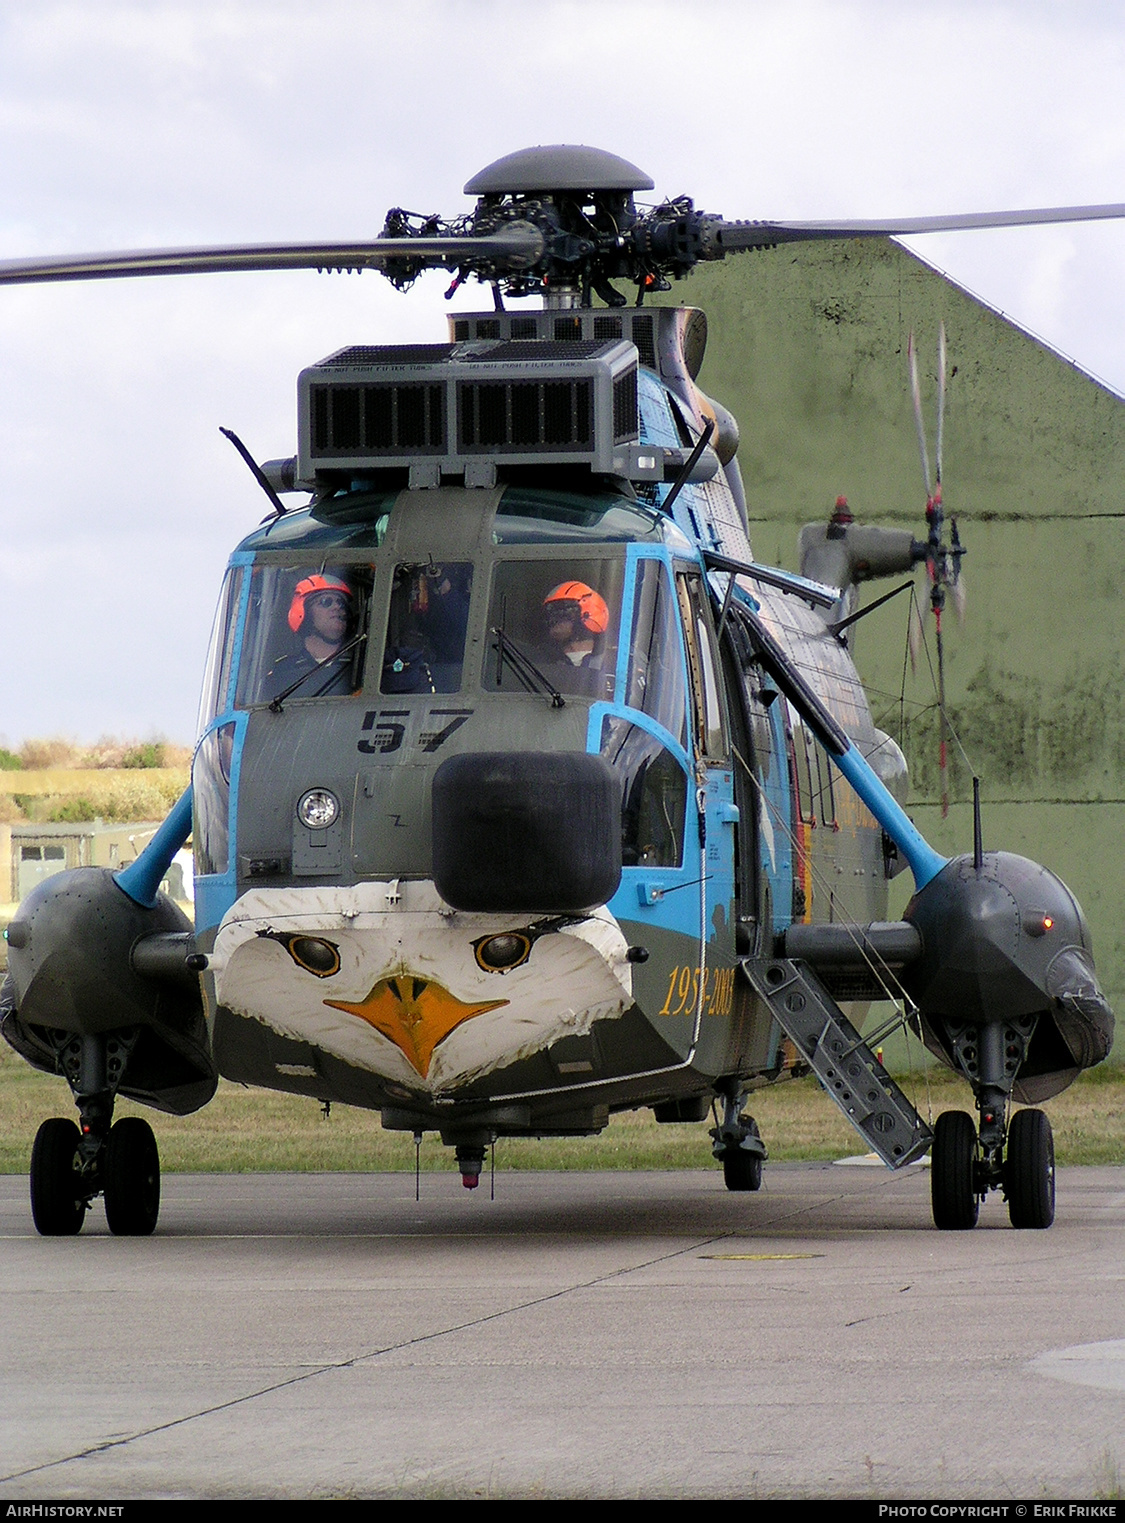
318, 809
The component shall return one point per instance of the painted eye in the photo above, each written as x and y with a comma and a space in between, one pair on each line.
499, 954
321, 958
318, 809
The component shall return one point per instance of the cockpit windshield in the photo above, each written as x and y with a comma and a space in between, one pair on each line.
429, 613
562, 617
306, 631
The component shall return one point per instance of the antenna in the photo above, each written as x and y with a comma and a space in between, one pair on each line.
978, 846
940, 401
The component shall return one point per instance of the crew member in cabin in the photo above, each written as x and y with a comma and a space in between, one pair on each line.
320, 615
575, 620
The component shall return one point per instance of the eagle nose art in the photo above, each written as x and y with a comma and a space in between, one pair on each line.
416, 1014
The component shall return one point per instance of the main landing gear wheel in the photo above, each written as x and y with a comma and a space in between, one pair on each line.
58, 1201
742, 1170
131, 1178
953, 1159
1029, 1170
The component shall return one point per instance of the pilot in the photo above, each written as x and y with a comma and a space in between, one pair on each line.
575, 621
319, 615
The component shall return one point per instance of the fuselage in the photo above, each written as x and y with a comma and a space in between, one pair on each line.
338, 970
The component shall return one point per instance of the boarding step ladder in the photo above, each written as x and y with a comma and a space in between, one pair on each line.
846, 1067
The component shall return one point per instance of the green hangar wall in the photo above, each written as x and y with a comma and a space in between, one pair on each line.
808, 348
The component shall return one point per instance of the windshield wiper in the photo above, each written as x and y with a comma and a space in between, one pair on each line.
525, 669
275, 703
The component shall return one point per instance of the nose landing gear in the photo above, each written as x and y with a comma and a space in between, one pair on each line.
71, 1165
1029, 1173
954, 1167
131, 1178
1016, 1156
58, 1192
966, 1167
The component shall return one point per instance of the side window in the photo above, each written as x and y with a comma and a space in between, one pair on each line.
803, 776
654, 795
425, 645
216, 673
655, 682
306, 633
824, 802
210, 786
706, 699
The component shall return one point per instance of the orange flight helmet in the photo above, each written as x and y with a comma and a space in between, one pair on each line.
592, 609
310, 585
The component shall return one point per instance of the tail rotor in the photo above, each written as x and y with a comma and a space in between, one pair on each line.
943, 561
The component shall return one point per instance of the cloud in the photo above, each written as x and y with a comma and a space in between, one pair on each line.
143, 124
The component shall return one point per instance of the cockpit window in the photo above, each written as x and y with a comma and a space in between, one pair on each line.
306, 630
425, 644
655, 682
554, 625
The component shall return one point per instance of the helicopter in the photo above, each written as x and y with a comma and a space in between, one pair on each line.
523, 793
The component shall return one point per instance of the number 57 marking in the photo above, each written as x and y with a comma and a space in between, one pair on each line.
389, 729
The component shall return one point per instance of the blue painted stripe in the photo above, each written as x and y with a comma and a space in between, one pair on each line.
674, 910
214, 896
141, 879
600, 711
625, 641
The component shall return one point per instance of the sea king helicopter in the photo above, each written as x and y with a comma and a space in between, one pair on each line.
511, 761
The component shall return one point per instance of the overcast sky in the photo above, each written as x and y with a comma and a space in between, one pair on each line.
125, 125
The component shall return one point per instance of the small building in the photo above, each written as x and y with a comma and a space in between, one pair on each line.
32, 850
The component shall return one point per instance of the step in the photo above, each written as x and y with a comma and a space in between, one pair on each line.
847, 1068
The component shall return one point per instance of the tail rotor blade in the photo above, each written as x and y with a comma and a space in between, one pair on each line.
916, 393
960, 598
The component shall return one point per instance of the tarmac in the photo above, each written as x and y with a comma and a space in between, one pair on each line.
624, 1335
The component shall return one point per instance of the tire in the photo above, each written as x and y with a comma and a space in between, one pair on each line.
953, 1158
58, 1203
1029, 1170
131, 1178
743, 1170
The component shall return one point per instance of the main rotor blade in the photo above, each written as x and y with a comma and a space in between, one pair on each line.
516, 248
746, 235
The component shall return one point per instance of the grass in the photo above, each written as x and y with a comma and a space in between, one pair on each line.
55, 752
251, 1131
256, 1131
120, 794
